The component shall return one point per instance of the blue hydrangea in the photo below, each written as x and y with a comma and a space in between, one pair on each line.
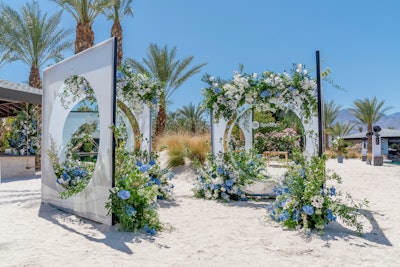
130, 210
264, 94
220, 170
291, 88
124, 194
217, 90
283, 216
272, 215
308, 209
144, 168
76, 172
225, 196
229, 182
139, 163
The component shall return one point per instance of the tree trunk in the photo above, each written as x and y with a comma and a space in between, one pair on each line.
369, 150
161, 119
326, 141
34, 78
84, 37
116, 31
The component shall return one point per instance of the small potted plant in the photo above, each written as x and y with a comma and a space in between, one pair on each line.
338, 146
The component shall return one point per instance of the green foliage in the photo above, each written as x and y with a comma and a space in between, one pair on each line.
304, 202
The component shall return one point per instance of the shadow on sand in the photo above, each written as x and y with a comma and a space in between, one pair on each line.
112, 237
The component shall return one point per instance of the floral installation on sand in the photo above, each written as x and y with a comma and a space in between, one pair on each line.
267, 91
139, 182
303, 201
225, 176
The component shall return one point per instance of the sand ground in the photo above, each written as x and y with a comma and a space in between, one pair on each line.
201, 232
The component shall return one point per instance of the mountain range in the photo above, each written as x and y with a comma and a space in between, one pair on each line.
387, 121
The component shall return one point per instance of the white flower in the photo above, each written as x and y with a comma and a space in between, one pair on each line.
223, 189
212, 79
317, 201
254, 75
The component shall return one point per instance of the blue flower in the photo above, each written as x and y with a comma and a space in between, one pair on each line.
229, 182
330, 215
139, 163
152, 162
217, 90
65, 176
277, 94
308, 209
302, 173
76, 172
291, 88
332, 191
154, 101
220, 170
277, 190
171, 175
124, 194
155, 180
144, 168
120, 75
272, 215
130, 210
296, 215
283, 216
148, 230
264, 94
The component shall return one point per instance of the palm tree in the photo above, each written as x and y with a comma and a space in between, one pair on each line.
193, 116
162, 65
340, 130
32, 37
331, 111
368, 112
116, 13
84, 12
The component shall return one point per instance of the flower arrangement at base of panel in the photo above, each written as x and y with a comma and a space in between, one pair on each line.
305, 202
225, 176
139, 182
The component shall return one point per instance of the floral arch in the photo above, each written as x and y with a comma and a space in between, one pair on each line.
232, 101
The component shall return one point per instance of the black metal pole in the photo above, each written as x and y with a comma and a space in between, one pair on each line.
320, 108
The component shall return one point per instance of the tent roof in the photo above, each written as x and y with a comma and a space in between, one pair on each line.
13, 95
385, 133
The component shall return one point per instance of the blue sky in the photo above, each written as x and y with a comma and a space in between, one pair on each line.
359, 41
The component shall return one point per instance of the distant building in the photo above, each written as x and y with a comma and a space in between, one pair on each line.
389, 137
